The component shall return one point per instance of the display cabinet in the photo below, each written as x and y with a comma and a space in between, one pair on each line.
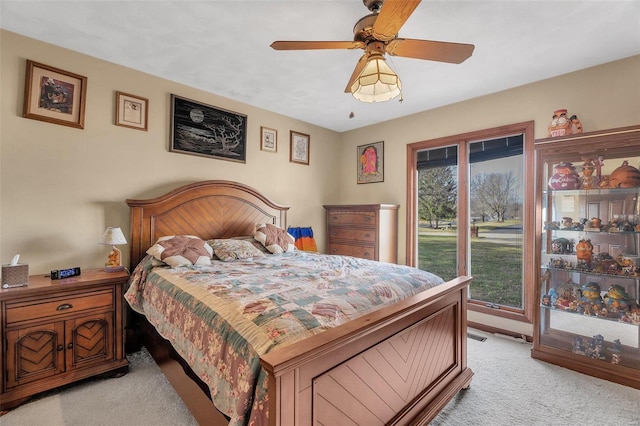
588, 235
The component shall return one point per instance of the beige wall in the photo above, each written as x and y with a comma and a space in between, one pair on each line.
602, 97
61, 186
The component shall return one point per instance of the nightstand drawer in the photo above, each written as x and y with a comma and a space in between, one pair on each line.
352, 218
364, 252
22, 311
352, 234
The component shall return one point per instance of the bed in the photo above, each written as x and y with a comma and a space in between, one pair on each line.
399, 364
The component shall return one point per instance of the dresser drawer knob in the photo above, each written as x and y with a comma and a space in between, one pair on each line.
367, 235
70, 346
334, 233
64, 307
60, 347
367, 219
367, 254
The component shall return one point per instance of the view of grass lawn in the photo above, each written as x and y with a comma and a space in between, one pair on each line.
496, 267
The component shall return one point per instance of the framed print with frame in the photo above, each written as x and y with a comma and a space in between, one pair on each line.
131, 111
299, 149
54, 95
268, 139
370, 163
207, 131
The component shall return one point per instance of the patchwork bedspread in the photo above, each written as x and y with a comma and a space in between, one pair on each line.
221, 318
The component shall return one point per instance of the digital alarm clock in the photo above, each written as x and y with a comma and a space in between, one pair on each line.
59, 274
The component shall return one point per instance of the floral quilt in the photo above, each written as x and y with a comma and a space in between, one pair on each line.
222, 317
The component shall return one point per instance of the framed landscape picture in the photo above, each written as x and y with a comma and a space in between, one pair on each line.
207, 131
299, 148
54, 95
370, 163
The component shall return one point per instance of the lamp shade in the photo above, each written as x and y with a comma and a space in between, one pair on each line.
113, 236
377, 82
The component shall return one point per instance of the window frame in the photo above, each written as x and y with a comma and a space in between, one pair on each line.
462, 141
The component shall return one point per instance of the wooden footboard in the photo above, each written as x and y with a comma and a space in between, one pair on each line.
399, 365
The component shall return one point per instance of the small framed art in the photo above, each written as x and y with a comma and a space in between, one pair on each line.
131, 111
54, 95
370, 163
299, 149
268, 139
207, 131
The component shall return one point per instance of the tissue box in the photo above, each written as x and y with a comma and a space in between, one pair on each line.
15, 274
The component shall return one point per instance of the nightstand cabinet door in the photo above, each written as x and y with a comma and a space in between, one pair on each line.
34, 353
89, 340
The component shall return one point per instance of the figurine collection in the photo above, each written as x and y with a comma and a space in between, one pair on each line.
565, 176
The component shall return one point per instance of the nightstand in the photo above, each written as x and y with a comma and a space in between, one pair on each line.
55, 332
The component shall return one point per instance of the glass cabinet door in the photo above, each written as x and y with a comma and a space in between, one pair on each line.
589, 283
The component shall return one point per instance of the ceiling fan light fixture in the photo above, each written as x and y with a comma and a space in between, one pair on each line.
377, 82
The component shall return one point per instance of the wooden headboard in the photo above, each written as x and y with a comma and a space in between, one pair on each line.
208, 209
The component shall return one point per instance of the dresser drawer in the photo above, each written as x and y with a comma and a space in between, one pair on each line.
352, 218
364, 252
353, 234
57, 306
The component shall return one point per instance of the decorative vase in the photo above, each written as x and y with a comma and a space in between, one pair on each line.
564, 177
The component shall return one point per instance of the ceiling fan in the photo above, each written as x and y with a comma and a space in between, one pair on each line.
377, 33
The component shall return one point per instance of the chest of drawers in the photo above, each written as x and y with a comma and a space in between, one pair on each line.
369, 231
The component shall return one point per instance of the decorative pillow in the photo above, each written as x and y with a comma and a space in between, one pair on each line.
275, 239
256, 244
181, 250
232, 249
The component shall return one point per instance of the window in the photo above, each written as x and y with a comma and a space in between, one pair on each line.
471, 211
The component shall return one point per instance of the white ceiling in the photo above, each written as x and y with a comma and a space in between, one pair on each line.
222, 47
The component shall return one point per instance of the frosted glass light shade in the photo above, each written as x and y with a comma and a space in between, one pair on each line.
377, 82
113, 236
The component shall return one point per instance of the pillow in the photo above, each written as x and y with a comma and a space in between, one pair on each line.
275, 239
256, 244
231, 249
181, 250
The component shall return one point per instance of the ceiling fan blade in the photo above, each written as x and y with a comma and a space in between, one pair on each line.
356, 72
431, 50
308, 45
392, 16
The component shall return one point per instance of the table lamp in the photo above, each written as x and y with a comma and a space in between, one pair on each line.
113, 237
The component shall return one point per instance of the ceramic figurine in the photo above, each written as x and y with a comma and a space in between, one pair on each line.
588, 180
617, 299
562, 126
564, 177
584, 251
625, 176
591, 299
561, 246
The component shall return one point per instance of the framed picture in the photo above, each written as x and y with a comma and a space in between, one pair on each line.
370, 163
131, 111
268, 139
54, 95
207, 131
299, 149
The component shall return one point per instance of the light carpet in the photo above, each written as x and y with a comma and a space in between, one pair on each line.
508, 388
